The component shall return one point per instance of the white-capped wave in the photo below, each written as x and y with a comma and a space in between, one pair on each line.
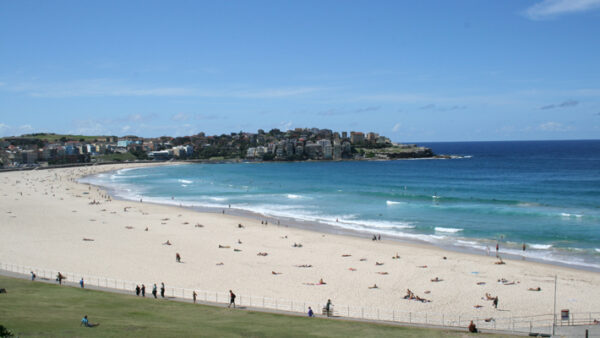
393, 202
566, 214
540, 246
293, 196
597, 250
185, 181
451, 230
218, 199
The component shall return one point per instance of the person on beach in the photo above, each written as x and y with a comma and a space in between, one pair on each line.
194, 295
137, 290
495, 302
32, 276
328, 307
177, 258
310, 312
81, 283
143, 290
162, 290
472, 328
154, 291
497, 248
86, 323
231, 299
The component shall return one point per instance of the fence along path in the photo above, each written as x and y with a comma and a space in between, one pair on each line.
527, 324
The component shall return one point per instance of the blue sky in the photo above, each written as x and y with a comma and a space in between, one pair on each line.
411, 70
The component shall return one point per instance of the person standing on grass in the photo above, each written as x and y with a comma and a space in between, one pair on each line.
137, 290
162, 290
194, 295
81, 283
32, 276
59, 278
143, 290
310, 312
154, 290
231, 299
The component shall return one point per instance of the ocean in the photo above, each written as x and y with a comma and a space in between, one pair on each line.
545, 194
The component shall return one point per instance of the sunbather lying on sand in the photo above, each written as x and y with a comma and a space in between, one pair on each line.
378, 263
304, 266
374, 286
224, 246
382, 273
346, 255
437, 279
275, 273
262, 254
352, 269
167, 242
535, 289
489, 296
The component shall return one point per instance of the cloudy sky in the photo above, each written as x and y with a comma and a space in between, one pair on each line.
412, 70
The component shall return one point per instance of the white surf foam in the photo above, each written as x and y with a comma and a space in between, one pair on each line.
540, 246
393, 202
185, 181
293, 196
451, 230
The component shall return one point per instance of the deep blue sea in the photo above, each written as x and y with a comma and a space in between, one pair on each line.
542, 193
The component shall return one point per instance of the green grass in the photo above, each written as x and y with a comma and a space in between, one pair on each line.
40, 309
57, 137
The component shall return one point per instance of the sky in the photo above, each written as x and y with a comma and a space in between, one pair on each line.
415, 71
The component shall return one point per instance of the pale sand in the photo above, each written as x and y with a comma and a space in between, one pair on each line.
45, 227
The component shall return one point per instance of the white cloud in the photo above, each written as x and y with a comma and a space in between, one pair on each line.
115, 87
396, 127
554, 126
180, 117
552, 8
125, 128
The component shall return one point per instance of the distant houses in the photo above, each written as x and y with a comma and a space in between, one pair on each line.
295, 144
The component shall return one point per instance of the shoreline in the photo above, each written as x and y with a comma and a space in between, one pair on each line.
322, 227
52, 221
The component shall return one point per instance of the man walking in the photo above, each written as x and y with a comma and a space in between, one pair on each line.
162, 290
154, 290
231, 299
143, 290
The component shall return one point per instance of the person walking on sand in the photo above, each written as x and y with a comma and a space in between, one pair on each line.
495, 302
177, 258
143, 290
497, 248
162, 290
328, 307
137, 290
154, 290
231, 299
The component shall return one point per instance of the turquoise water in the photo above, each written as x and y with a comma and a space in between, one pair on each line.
544, 194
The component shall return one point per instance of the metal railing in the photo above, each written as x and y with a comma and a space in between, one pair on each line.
526, 324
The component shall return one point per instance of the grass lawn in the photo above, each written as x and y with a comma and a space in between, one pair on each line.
40, 309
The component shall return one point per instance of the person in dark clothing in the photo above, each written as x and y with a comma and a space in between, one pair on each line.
472, 327
143, 290
231, 299
495, 302
162, 290
154, 290
137, 290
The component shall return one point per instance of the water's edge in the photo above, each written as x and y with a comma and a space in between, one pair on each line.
325, 228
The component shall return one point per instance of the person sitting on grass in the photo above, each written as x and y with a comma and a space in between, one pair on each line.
472, 328
86, 323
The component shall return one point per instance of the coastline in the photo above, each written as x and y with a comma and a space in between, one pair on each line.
329, 228
52, 237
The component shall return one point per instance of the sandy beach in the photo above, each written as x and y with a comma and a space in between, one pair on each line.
45, 217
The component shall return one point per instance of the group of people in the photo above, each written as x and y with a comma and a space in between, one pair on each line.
142, 290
